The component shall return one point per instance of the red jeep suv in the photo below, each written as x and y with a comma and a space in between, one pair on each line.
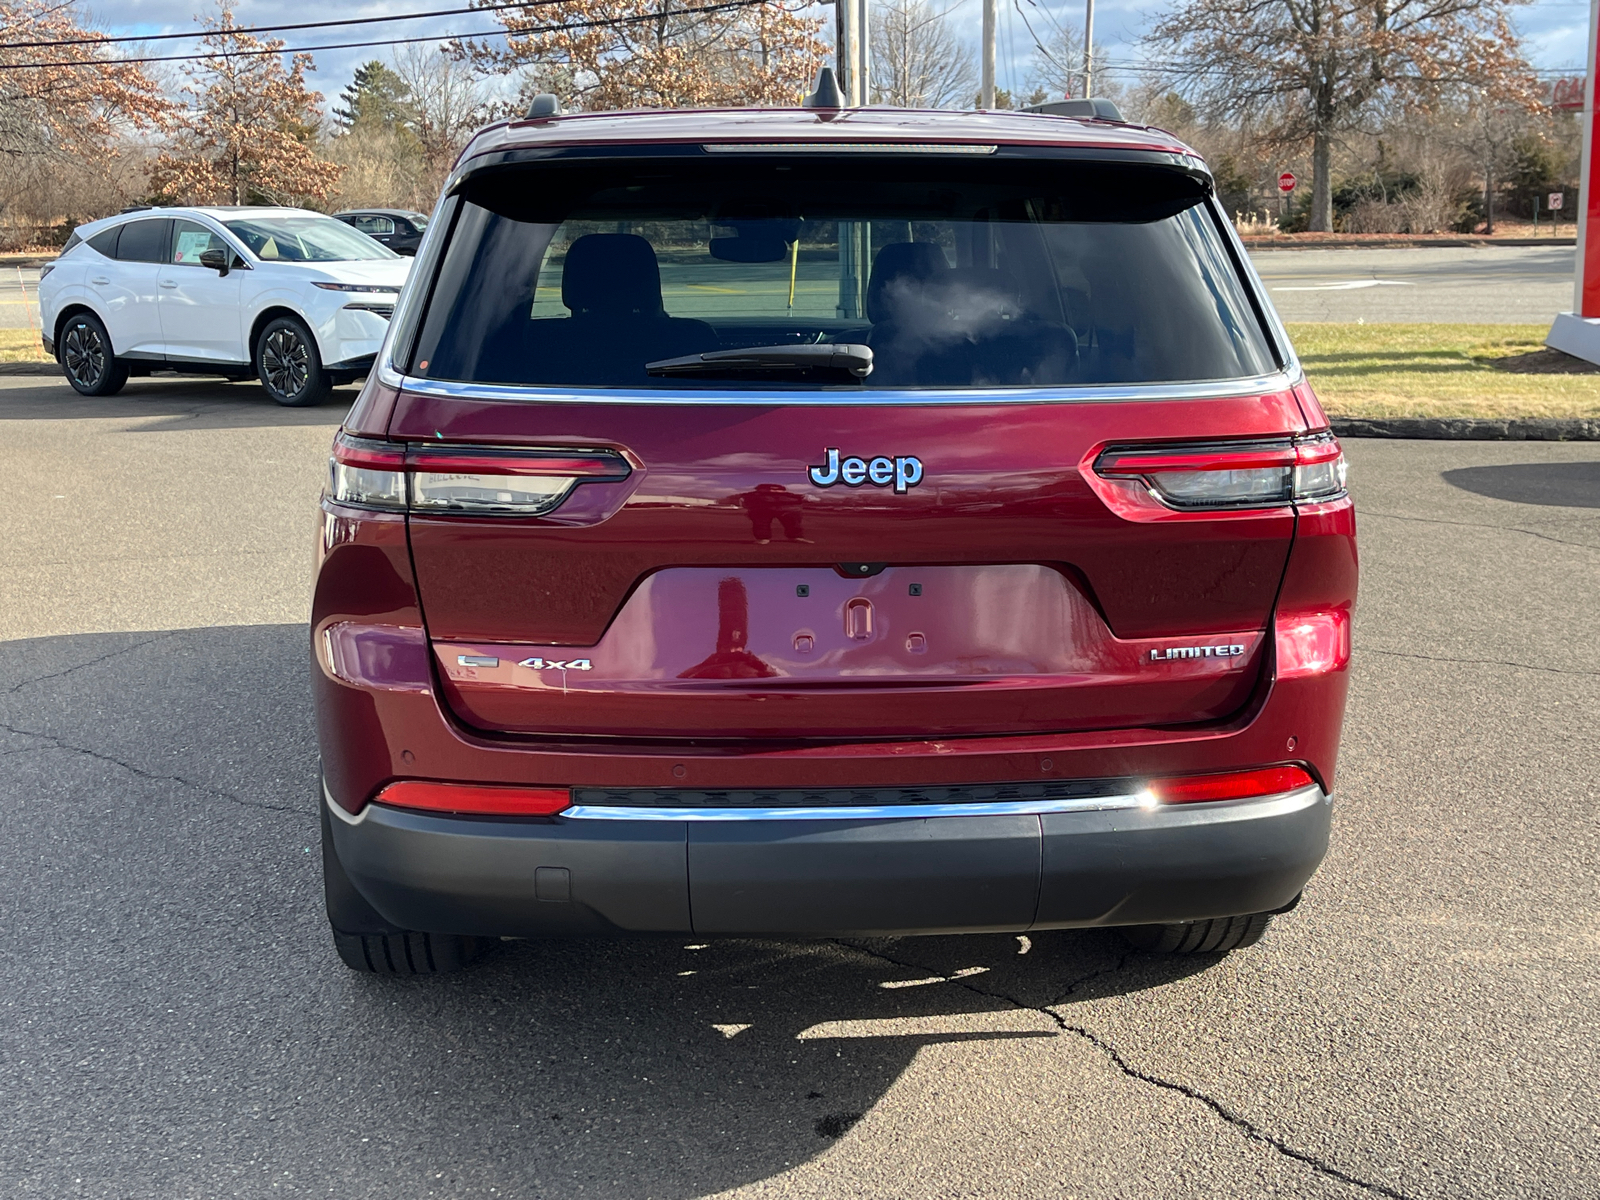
827, 522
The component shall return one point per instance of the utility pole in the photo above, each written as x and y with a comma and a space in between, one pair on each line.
1088, 48
986, 95
847, 31
864, 48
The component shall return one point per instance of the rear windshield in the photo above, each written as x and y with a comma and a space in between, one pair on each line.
955, 274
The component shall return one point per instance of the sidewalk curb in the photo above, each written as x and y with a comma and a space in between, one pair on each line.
30, 368
1471, 429
1398, 243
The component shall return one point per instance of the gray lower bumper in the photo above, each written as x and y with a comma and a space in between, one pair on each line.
1006, 872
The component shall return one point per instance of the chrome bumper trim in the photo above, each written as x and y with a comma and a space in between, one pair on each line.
1283, 802
860, 812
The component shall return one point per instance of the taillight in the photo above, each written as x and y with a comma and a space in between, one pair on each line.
483, 799
1312, 643
1231, 785
1267, 473
462, 480
365, 473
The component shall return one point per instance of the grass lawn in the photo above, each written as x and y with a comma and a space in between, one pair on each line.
20, 345
1442, 371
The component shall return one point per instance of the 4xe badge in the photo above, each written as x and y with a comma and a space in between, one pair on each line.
903, 472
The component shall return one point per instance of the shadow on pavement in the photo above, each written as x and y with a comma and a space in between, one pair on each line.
179, 1019
1562, 484
189, 402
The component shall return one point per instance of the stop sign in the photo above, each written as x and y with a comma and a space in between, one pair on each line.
1286, 182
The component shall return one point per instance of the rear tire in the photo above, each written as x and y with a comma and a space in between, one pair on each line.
87, 360
1218, 935
366, 942
290, 366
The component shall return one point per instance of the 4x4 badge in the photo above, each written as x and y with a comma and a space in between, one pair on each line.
903, 471
555, 664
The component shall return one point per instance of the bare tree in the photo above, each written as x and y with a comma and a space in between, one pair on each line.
1309, 71
1058, 64
69, 135
620, 54
445, 104
917, 62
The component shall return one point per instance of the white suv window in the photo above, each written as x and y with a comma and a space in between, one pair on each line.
190, 240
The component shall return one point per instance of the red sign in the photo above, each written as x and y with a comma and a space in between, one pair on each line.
1556, 199
1568, 93
1286, 182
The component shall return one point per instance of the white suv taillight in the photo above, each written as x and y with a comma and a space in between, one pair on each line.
1266, 473
462, 480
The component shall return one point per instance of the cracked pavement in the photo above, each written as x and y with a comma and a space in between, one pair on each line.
173, 1022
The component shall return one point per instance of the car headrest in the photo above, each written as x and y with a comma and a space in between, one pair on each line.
901, 262
614, 274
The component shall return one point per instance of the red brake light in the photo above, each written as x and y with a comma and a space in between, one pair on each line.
603, 464
463, 480
1268, 473
360, 452
486, 799
1232, 785
1312, 643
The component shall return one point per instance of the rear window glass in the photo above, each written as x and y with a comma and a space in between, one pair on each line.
144, 241
956, 274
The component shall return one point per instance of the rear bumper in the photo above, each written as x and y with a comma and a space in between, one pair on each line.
1002, 871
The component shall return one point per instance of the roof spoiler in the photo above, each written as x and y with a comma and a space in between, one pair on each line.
1095, 108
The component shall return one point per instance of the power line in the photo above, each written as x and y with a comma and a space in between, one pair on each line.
256, 29
598, 23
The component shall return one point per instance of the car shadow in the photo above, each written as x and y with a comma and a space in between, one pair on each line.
159, 795
185, 401
1560, 484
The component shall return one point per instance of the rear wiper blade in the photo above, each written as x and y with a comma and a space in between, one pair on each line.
854, 360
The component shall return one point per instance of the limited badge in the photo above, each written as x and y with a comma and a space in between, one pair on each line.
901, 472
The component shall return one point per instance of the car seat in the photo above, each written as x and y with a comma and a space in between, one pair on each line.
611, 283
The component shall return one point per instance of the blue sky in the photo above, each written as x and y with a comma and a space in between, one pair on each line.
1555, 31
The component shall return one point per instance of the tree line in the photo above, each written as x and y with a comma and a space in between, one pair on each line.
1402, 115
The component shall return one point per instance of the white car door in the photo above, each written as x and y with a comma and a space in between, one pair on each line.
200, 315
126, 289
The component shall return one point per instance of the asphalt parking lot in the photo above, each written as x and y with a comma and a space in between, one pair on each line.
174, 1023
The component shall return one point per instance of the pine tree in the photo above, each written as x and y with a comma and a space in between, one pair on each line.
376, 93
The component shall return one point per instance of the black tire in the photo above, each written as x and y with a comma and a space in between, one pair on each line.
290, 366
366, 942
84, 351
1218, 935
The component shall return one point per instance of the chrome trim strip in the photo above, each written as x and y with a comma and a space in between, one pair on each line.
1260, 806
1219, 389
860, 812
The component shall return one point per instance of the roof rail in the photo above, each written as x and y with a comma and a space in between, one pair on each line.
1095, 108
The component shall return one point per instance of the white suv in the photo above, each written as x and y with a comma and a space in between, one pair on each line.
294, 297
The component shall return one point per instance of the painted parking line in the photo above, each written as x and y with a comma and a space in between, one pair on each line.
1348, 285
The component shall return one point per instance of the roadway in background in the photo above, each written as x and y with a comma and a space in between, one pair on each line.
174, 1022
1472, 284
